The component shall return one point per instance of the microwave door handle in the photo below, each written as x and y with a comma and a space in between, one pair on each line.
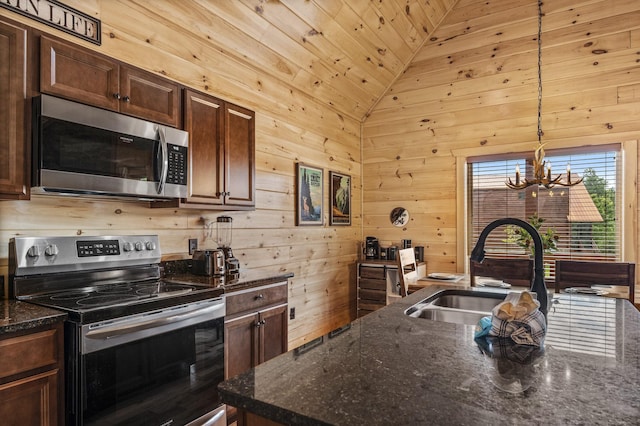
164, 161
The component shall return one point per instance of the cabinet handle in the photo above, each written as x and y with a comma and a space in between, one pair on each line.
116, 95
260, 323
126, 99
259, 296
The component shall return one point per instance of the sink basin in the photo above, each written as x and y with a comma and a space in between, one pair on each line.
457, 306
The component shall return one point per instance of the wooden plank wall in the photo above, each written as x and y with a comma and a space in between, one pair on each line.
291, 127
473, 89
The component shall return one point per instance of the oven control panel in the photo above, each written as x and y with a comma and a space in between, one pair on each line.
98, 248
29, 255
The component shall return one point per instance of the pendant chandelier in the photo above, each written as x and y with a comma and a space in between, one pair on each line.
541, 169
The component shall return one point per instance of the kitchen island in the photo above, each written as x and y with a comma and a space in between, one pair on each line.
390, 368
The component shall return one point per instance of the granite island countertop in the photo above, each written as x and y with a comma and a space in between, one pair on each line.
389, 368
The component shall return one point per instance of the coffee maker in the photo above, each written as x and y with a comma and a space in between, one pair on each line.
224, 226
371, 248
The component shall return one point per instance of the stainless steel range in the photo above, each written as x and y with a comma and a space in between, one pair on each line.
138, 350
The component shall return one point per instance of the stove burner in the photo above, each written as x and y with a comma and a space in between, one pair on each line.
160, 287
71, 295
103, 300
118, 288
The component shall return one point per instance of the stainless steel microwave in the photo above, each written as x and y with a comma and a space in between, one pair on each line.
79, 149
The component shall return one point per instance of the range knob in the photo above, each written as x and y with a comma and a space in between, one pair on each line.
139, 246
127, 246
51, 250
150, 245
33, 251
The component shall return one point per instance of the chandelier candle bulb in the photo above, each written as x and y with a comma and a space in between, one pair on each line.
549, 171
568, 173
517, 174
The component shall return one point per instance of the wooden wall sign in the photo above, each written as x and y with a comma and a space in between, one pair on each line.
58, 15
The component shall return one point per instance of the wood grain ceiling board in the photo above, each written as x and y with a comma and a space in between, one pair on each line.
345, 54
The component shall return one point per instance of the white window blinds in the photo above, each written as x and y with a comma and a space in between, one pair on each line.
579, 222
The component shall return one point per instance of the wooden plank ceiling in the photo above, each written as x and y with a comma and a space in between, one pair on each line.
342, 53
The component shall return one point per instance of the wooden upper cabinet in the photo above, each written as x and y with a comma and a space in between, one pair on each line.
221, 154
149, 96
240, 156
75, 73
13, 144
204, 121
81, 75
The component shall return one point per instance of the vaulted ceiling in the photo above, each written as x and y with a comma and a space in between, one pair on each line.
343, 53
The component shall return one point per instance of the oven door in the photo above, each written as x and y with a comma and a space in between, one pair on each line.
160, 368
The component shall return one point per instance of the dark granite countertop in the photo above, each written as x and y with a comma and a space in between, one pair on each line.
21, 316
389, 368
180, 271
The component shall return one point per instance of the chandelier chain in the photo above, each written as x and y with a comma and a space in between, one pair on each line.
540, 133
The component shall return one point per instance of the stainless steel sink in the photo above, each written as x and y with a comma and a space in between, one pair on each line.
457, 306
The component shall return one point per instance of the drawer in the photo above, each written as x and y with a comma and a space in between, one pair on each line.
373, 284
255, 299
367, 305
28, 352
372, 272
376, 295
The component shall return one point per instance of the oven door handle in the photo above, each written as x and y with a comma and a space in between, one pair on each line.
118, 330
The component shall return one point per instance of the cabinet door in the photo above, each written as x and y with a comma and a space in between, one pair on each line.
13, 158
30, 401
204, 121
241, 344
273, 332
149, 96
77, 74
240, 156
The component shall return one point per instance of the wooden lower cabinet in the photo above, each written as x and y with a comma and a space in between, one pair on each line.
255, 331
31, 380
30, 401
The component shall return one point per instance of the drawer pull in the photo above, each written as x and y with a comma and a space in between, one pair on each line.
259, 296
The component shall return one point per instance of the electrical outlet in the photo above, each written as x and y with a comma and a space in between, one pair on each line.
193, 245
292, 313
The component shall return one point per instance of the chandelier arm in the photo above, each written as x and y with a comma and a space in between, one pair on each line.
570, 183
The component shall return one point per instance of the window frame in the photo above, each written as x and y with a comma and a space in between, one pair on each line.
629, 161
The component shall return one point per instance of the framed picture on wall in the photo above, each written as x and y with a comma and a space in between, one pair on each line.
309, 195
340, 199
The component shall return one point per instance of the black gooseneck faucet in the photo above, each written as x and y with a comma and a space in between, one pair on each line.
538, 286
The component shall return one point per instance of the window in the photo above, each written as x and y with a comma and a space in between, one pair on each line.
581, 222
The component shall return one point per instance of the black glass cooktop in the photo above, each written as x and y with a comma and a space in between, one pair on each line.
107, 301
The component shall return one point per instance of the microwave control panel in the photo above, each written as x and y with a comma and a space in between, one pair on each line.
177, 170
